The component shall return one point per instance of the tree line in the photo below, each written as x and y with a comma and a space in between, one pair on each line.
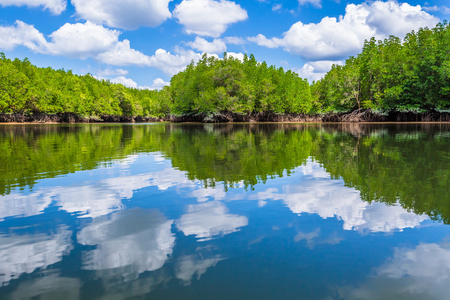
25, 88
390, 75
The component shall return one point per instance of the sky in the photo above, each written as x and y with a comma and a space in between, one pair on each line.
143, 43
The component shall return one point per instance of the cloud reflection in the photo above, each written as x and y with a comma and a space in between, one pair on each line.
419, 273
133, 241
195, 265
318, 194
51, 286
210, 219
20, 254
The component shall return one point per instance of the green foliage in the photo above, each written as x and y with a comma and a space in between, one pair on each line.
391, 75
230, 85
25, 88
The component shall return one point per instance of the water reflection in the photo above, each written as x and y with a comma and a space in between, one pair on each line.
208, 220
130, 242
51, 286
23, 254
419, 273
317, 194
276, 211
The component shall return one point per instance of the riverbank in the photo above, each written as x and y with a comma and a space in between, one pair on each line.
356, 116
73, 118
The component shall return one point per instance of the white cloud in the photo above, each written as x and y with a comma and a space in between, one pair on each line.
125, 81
134, 241
88, 40
159, 83
217, 46
21, 35
333, 38
239, 56
208, 220
126, 14
121, 54
56, 7
111, 72
261, 40
71, 40
315, 70
21, 254
173, 63
208, 17
234, 40
315, 3
81, 40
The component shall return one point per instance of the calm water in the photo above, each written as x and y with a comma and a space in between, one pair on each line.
164, 211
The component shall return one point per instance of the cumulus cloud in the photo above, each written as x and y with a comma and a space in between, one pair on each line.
173, 63
210, 219
159, 83
208, 17
128, 82
126, 14
332, 38
239, 56
121, 54
316, 70
56, 7
81, 40
132, 241
261, 40
89, 40
72, 40
21, 34
217, 46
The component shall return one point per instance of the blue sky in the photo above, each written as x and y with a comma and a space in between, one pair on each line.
142, 43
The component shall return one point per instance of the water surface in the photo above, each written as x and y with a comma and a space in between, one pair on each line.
243, 211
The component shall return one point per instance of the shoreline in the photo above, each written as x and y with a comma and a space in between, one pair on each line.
357, 116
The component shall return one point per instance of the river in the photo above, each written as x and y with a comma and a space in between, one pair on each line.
225, 211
